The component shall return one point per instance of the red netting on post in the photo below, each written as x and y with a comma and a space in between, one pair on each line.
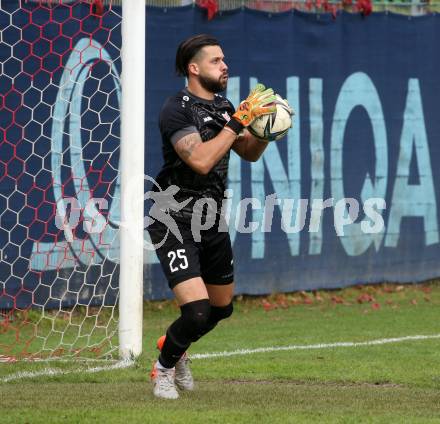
59, 184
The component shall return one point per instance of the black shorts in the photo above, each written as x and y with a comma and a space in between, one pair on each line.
210, 258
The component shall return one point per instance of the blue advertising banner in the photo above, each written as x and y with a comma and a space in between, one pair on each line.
365, 93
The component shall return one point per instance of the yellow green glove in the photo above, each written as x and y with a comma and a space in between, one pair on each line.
258, 103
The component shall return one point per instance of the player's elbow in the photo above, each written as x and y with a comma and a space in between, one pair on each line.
201, 168
203, 171
201, 164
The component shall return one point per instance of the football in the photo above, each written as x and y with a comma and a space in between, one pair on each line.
273, 126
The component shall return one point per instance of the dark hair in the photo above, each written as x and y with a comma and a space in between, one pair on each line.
189, 48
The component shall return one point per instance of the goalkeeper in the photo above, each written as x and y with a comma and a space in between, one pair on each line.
198, 128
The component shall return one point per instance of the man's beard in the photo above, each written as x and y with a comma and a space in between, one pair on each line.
212, 85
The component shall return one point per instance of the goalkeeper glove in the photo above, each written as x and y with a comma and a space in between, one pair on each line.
258, 103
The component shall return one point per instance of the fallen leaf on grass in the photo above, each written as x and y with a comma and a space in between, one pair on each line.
337, 299
318, 297
388, 289
267, 306
295, 301
281, 301
375, 306
308, 301
365, 298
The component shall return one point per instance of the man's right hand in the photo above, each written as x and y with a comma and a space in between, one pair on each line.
258, 103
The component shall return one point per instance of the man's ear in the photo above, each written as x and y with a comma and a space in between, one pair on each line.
193, 68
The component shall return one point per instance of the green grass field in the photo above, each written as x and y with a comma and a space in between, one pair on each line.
395, 382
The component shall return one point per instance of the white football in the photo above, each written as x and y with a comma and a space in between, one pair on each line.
275, 125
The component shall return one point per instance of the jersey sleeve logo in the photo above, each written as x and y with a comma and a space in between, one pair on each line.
184, 100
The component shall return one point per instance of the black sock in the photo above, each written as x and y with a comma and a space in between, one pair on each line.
172, 350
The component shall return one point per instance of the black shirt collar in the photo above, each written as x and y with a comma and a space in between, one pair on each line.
199, 99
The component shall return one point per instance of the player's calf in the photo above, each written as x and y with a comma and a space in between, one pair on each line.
188, 328
200, 326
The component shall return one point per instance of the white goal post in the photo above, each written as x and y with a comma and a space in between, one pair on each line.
132, 178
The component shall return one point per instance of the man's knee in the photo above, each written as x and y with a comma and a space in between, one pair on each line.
195, 317
221, 312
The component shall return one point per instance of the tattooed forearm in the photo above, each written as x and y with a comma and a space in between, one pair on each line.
185, 146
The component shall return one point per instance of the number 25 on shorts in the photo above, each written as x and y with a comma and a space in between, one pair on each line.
178, 254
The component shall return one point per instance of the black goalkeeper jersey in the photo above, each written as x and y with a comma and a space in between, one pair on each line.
181, 115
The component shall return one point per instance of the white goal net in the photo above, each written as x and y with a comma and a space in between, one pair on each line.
60, 128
